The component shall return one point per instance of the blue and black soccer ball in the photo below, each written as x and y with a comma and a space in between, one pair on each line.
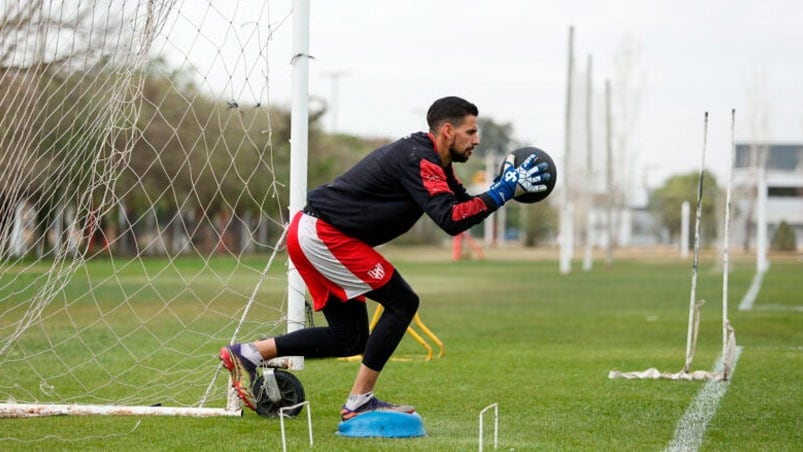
542, 156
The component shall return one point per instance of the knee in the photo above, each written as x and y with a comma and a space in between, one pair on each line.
350, 342
403, 307
409, 306
398, 297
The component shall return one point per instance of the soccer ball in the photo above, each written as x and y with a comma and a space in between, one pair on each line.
520, 155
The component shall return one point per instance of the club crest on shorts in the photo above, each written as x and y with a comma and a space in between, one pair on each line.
378, 272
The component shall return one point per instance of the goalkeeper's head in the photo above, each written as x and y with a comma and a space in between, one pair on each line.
450, 109
453, 124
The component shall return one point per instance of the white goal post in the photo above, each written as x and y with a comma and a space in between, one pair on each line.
146, 180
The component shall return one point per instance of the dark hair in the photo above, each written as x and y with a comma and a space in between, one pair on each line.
450, 109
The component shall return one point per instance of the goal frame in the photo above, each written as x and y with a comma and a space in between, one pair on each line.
296, 315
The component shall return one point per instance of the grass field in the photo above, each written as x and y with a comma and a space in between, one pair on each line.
539, 344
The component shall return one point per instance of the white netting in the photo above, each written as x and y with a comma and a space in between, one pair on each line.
143, 177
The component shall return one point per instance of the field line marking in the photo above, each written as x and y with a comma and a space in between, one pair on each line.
691, 428
752, 293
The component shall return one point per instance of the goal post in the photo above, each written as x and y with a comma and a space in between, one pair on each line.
728, 355
298, 159
145, 175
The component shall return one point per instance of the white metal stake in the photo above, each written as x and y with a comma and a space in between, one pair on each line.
698, 216
495, 406
309, 421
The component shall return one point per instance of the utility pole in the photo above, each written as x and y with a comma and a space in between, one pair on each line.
567, 209
334, 78
588, 258
609, 174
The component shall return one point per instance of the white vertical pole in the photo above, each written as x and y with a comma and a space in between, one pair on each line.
761, 221
695, 258
17, 237
501, 227
58, 231
685, 210
566, 229
609, 174
726, 238
588, 258
568, 237
625, 226
299, 115
335, 96
490, 222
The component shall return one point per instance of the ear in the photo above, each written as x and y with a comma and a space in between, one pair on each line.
447, 130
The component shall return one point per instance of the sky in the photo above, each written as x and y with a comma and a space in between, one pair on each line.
510, 58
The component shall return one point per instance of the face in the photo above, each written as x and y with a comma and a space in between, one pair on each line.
463, 139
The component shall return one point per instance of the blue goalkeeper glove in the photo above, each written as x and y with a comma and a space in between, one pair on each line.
515, 181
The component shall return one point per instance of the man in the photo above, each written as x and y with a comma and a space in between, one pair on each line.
331, 243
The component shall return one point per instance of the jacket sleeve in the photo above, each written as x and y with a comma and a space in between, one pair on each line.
450, 207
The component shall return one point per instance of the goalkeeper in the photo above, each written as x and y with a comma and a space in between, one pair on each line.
331, 243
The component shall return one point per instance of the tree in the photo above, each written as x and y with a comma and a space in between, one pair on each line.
495, 137
332, 154
60, 103
665, 203
542, 222
784, 238
25, 28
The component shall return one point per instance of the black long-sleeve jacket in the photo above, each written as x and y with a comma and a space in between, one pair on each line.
386, 192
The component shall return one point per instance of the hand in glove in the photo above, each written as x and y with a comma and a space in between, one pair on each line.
515, 181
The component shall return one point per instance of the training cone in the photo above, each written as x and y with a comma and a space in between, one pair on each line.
382, 424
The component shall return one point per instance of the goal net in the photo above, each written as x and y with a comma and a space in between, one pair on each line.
143, 194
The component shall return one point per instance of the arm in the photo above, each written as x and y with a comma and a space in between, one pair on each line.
444, 199
455, 211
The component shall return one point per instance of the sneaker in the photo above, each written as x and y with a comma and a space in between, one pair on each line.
243, 374
374, 404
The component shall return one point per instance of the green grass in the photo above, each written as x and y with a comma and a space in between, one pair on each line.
540, 344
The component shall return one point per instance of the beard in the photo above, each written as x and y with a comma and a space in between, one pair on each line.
457, 156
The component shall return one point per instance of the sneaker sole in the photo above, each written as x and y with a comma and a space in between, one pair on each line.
235, 372
352, 414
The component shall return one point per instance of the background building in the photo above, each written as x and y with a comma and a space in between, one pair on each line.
782, 166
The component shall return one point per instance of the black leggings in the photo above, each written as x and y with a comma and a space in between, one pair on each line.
347, 330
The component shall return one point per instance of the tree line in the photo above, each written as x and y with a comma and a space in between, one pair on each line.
157, 157
175, 164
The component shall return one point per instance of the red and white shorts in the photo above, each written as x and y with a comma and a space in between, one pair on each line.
332, 263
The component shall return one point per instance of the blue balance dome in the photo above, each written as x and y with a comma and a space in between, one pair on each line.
382, 424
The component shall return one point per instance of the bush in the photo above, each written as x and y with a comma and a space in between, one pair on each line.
542, 223
784, 238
